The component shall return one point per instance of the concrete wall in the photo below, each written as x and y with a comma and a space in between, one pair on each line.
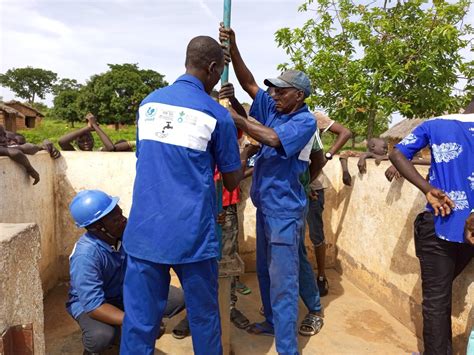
370, 223
21, 202
111, 172
21, 295
372, 226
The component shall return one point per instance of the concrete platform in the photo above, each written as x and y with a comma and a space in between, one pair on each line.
354, 324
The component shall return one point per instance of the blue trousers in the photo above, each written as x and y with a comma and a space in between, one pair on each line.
277, 271
145, 296
309, 291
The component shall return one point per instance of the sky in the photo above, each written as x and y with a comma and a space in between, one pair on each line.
77, 38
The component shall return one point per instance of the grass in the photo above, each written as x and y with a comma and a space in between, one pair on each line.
53, 130
328, 140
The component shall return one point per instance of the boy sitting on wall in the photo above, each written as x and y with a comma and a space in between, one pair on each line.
16, 152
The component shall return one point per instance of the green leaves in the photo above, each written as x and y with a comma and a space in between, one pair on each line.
29, 83
113, 97
367, 62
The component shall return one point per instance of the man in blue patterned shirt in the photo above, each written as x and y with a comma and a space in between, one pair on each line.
444, 233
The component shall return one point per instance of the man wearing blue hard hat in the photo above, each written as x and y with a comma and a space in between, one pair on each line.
97, 267
287, 133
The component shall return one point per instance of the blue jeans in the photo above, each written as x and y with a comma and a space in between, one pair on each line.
277, 271
309, 291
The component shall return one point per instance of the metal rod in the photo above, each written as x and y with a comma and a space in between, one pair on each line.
227, 7
224, 80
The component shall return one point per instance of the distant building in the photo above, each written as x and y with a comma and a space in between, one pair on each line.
32, 117
402, 129
11, 119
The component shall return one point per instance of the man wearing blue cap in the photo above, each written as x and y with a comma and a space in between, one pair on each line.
97, 267
287, 133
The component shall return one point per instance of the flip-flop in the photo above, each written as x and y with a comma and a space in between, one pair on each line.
311, 325
181, 330
262, 328
238, 319
242, 289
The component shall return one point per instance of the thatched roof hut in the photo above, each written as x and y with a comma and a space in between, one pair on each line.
32, 116
399, 131
402, 129
10, 118
8, 109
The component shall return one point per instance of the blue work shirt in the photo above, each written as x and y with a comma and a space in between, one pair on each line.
97, 271
451, 140
276, 187
182, 134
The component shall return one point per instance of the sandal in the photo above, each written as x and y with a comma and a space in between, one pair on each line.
311, 325
239, 320
242, 288
262, 328
181, 330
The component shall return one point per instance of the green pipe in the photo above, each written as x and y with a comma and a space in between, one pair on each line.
224, 80
227, 7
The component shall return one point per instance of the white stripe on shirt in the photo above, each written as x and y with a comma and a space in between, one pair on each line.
175, 125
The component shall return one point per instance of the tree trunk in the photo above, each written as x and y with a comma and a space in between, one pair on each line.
371, 124
117, 126
353, 139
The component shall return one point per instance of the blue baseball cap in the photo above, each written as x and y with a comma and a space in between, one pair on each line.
291, 79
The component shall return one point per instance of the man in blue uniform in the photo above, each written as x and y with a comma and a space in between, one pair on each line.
286, 133
182, 135
444, 232
97, 266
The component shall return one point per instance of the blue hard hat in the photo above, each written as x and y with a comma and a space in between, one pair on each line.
89, 206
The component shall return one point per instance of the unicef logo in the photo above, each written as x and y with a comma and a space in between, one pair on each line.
181, 117
150, 114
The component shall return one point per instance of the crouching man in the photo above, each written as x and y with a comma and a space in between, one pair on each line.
97, 268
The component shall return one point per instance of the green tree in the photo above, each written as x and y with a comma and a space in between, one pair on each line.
367, 62
114, 96
66, 105
29, 83
65, 84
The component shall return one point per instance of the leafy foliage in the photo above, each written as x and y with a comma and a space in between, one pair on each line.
65, 84
367, 62
29, 83
114, 96
65, 104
